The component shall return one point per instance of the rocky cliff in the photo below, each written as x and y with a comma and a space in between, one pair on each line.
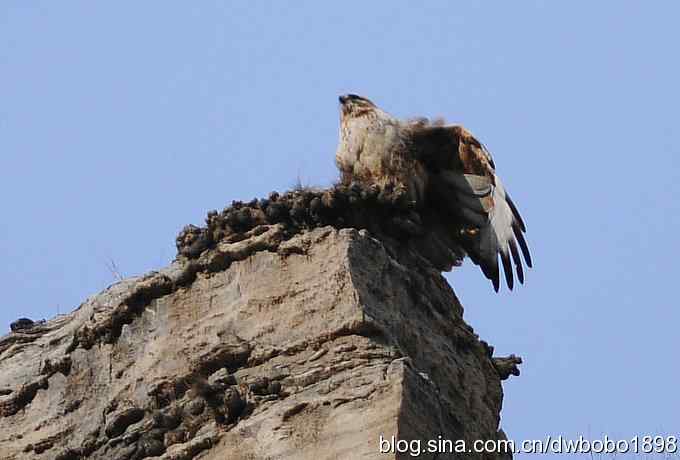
258, 343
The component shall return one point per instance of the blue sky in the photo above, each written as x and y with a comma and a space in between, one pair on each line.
120, 122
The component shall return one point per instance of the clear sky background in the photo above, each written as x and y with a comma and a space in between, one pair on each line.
120, 122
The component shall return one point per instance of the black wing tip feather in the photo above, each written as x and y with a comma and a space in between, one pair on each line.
495, 279
490, 270
517, 260
507, 268
519, 228
490, 266
515, 212
519, 235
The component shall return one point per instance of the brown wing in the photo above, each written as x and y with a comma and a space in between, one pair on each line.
464, 186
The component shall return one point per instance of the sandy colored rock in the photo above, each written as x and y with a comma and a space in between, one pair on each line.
306, 347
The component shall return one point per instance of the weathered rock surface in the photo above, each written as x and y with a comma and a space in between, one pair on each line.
268, 346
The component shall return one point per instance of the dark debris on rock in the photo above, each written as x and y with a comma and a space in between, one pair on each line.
382, 211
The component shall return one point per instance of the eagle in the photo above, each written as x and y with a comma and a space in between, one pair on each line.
446, 173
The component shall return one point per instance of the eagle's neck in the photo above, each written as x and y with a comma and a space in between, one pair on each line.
374, 149
357, 128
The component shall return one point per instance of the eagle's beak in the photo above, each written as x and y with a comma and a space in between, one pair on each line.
343, 99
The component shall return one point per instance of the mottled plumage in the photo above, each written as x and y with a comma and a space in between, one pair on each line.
446, 172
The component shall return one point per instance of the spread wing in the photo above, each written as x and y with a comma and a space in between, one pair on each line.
464, 186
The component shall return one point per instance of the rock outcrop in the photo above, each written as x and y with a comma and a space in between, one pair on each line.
271, 345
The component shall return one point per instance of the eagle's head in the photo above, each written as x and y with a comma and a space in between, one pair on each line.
352, 105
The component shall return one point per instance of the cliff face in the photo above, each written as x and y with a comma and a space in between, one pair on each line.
269, 347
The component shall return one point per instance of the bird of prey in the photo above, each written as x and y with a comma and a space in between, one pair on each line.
446, 172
